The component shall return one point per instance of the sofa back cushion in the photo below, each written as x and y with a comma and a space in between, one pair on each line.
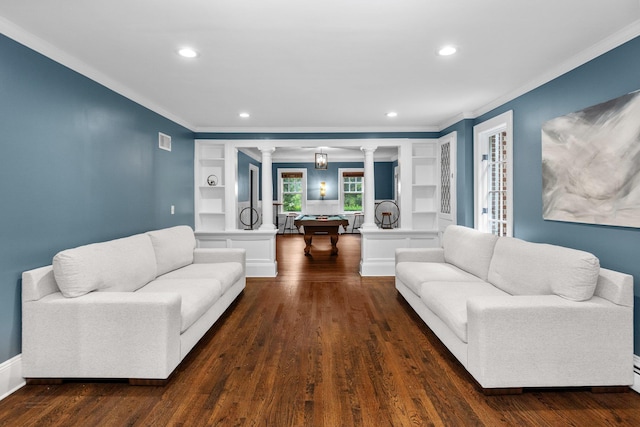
525, 268
121, 265
468, 249
173, 247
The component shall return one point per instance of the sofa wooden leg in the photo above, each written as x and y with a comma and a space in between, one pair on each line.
44, 381
501, 391
148, 382
610, 389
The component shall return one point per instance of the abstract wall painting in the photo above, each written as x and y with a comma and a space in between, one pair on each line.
591, 164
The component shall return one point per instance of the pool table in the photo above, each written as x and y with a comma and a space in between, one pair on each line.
321, 224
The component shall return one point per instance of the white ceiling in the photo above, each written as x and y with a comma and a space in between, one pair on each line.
320, 65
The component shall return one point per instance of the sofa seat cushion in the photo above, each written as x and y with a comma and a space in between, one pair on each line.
469, 249
173, 247
227, 273
524, 268
448, 300
121, 265
198, 295
413, 274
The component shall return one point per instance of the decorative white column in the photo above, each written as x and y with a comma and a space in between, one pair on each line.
267, 189
369, 189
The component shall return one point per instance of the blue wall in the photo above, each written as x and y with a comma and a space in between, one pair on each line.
464, 167
383, 172
79, 164
244, 187
606, 77
383, 175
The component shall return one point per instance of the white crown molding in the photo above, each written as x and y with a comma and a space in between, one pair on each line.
629, 32
41, 46
626, 34
398, 129
251, 153
45, 48
455, 119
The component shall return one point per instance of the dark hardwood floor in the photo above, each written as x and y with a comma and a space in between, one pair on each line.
317, 346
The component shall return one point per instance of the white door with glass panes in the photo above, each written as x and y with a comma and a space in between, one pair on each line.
447, 173
493, 180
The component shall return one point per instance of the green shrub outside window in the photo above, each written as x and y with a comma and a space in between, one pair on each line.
353, 202
292, 194
352, 189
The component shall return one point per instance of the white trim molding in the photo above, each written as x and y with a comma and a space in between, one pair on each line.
481, 134
318, 129
47, 49
636, 374
615, 40
11, 376
378, 247
260, 247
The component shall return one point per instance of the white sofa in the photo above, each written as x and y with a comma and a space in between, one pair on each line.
127, 308
519, 314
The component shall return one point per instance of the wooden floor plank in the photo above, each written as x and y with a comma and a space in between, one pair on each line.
316, 346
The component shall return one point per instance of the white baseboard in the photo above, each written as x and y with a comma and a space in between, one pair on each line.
378, 267
11, 376
261, 269
636, 374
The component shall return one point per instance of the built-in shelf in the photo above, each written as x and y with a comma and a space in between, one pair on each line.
209, 186
424, 186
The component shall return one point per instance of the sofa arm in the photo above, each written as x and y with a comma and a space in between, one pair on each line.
419, 255
546, 340
101, 335
204, 255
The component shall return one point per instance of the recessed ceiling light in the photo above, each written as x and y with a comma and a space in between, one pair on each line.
187, 52
244, 115
447, 50
392, 114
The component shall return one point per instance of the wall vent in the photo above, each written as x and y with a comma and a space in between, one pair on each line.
164, 141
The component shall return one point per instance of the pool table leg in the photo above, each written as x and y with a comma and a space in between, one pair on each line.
307, 240
334, 244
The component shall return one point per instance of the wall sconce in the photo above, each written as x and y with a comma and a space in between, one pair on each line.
323, 189
321, 161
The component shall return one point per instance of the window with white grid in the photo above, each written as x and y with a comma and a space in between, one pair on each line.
352, 190
292, 190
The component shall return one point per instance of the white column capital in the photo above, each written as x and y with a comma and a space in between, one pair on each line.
368, 149
267, 151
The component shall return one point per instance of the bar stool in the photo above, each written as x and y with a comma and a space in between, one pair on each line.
276, 209
358, 217
386, 220
289, 222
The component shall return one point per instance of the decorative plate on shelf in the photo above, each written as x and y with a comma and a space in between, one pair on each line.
212, 180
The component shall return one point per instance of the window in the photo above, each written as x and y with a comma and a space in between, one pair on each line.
447, 171
351, 189
292, 190
494, 178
